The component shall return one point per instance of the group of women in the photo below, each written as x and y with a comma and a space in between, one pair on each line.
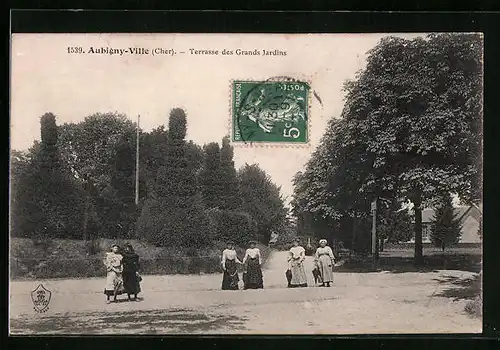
324, 260
122, 266
122, 277
252, 277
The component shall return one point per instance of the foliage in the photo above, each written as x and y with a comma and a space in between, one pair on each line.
410, 129
238, 227
79, 182
445, 226
46, 199
229, 180
394, 223
100, 151
173, 214
210, 180
262, 200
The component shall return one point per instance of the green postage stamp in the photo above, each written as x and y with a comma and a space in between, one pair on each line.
270, 111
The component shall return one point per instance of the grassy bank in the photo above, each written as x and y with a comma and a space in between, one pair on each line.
58, 258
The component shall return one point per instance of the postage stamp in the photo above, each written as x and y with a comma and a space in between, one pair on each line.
272, 111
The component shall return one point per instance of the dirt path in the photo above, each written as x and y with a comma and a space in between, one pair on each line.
180, 304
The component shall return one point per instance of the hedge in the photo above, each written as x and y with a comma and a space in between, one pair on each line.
21, 268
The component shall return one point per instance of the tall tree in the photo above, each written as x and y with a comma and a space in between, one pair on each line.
229, 179
46, 194
445, 227
262, 200
410, 129
417, 108
173, 214
210, 176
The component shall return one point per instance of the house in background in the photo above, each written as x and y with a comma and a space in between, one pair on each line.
469, 216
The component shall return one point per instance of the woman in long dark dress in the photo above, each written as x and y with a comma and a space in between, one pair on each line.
130, 269
253, 275
230, 260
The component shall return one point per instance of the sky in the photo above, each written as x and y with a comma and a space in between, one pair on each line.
45, 77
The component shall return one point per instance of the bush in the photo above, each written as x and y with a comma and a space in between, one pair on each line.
232, 225
94, 267
68, 259
475, 307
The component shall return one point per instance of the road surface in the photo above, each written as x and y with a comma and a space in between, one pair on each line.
372, 303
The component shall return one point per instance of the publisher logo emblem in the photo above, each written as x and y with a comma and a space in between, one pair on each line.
41, 298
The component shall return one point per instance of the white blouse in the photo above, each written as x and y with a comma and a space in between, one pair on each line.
297, 253
252, 253
324, 251
113, 261
229, 254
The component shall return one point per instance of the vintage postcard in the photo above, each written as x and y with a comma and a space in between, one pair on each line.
246, 183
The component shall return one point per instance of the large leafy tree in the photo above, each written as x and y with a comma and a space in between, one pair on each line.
261, 198
100, 153
410, 129
173, 213
416, 110
328, 199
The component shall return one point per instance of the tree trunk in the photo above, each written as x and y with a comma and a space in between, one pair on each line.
86, 218
417, 202
353, 242
381, 245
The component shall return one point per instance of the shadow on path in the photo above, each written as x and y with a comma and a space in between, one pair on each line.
461, 288
173, 321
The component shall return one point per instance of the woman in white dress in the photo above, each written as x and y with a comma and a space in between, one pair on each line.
114, 269
252, 261
324, 261
230, 277
296, 258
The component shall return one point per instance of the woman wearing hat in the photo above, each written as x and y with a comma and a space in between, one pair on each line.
130, 272
114, 269
252, 261
230, 277
296, 258
324, 260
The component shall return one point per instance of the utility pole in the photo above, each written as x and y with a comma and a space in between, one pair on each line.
374, 232
137, 164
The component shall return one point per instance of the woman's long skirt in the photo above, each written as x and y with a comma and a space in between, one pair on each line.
299, 278
131, 282
114, 284
325, 268
230, 278
253, 277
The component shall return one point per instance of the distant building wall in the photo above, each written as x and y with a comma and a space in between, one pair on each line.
470, 217
470, 228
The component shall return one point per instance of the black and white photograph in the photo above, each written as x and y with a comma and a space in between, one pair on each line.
178, 184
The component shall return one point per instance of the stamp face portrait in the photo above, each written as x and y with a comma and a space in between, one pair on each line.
270, 111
